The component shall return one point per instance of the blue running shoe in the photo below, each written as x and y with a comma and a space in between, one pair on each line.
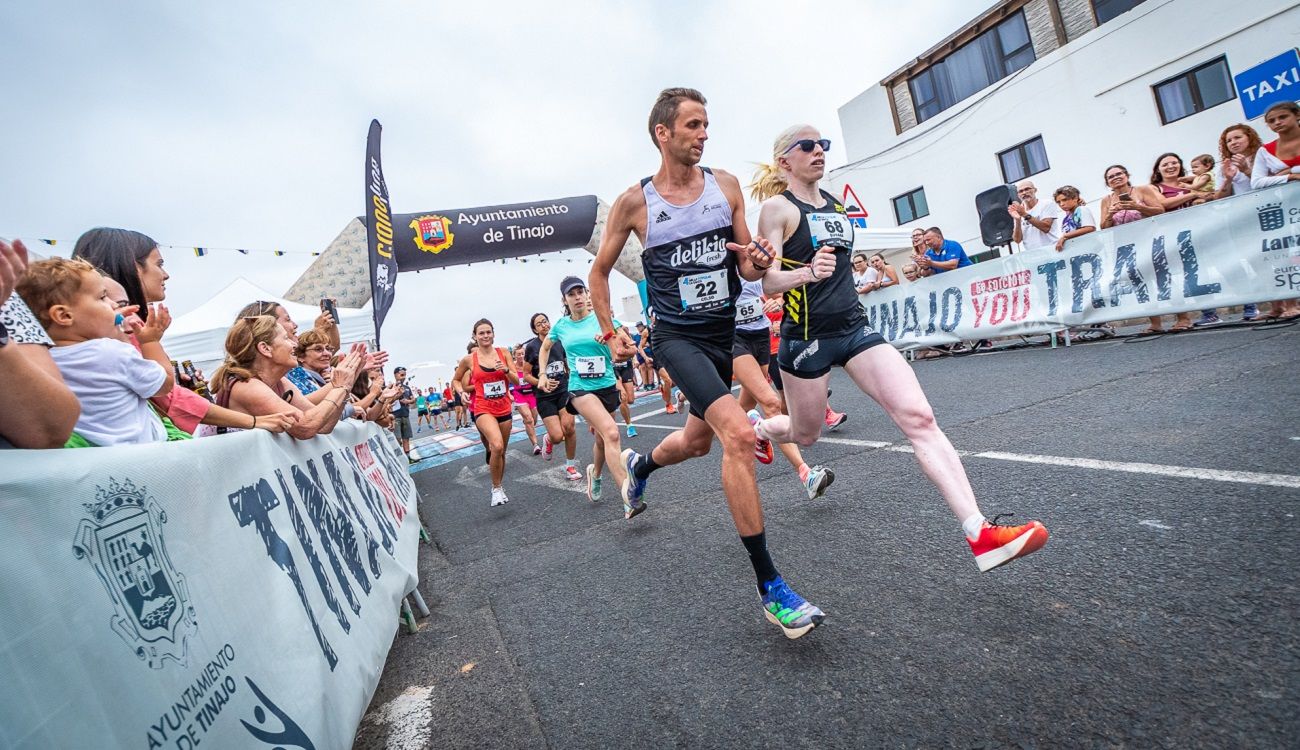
593, 483
782, 606
631, 431
633, 488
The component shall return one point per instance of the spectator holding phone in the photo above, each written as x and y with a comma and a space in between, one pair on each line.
37, 410
1125, 204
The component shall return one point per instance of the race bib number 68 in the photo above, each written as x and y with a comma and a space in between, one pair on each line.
830, 229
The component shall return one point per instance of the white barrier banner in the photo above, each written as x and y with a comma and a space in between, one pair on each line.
1223, 253
232, 592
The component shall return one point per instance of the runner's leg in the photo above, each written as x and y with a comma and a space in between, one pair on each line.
755, 390
495, 437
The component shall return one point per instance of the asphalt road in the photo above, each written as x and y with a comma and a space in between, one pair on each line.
1162, 613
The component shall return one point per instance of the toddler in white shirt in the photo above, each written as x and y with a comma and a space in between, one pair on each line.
110, 378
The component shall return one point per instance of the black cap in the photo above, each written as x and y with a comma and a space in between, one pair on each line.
398, 369
570, 283
640, 324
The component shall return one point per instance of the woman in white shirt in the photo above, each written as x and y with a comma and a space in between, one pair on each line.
1278, 163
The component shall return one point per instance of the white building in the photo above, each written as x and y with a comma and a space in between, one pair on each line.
1054, 90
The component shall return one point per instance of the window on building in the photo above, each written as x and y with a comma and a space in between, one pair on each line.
1024, 159
1195, 90
986, 59
911, 206
1106, 10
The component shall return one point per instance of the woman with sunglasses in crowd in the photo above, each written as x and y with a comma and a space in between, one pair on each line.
252, 379
487, 373
1125, 204
806, 241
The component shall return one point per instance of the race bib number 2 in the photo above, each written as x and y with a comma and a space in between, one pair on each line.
704, 291
830, 229
590, 367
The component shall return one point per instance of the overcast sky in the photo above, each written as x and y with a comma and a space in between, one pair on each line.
241, 124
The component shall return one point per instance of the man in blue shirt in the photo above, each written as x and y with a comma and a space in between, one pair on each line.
942, 255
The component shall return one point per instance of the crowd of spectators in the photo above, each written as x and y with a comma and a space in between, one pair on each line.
1244, 163
83, 364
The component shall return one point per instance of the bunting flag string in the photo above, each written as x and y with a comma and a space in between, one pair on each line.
202, 252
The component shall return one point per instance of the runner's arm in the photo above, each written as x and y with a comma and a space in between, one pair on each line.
618, 227
775, 220
730, 187
542, 357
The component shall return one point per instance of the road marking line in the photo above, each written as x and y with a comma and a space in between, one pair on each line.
1154, 524
1185, 472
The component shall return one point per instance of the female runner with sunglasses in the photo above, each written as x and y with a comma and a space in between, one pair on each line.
593, 390
825, 326
486, 372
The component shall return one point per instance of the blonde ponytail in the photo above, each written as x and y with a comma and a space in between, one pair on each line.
770, 179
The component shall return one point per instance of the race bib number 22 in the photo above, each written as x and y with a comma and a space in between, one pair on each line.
704, 291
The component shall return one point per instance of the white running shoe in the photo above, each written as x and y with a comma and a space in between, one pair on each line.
499, 497
571, 473
819, 478
547, 448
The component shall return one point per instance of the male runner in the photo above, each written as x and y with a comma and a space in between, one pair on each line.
685, 216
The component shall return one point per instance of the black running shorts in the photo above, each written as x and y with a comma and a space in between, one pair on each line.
624, 371
552, 404
815, 358
757, 344
699, 362
774, 372
610, 398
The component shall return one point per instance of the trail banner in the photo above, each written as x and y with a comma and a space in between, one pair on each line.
432, 239
232, 592
1223, 253
379, 232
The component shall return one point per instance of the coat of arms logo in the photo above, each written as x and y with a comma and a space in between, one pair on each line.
432, 233
1271, 217
122, 538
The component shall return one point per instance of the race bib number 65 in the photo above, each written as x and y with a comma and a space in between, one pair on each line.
830, 229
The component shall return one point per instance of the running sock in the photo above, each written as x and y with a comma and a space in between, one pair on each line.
570, 463
972, 526
756, 546
803, 472
645, 466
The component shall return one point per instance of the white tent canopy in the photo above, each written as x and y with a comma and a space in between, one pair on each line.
200, 334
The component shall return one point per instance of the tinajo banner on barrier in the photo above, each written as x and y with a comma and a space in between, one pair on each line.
232, 592
1228, 252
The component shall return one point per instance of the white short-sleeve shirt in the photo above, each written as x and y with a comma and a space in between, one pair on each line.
113, 383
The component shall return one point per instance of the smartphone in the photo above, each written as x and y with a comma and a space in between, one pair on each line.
188, 366
327, 305
1126, 197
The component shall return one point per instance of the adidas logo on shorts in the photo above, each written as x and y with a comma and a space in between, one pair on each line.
662, 217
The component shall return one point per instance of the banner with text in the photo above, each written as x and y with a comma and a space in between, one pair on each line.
231, 592
379, 232
474, 235
1223, 253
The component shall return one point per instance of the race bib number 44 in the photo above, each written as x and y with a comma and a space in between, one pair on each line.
590, 367
704, 291
830, 229
494, 389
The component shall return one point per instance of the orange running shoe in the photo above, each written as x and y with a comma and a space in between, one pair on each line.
670, 409
762, 446
999, 544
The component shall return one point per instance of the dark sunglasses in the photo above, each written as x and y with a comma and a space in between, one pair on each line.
806, 145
